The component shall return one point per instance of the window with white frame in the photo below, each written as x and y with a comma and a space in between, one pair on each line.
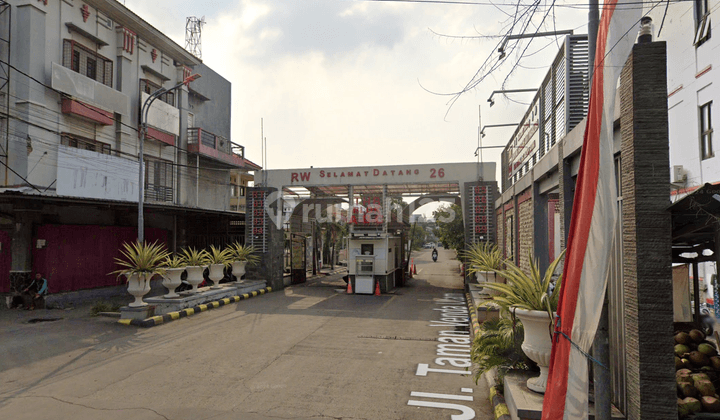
706, 131
78, 142
158, 179
149, 87
702, 22
87, 62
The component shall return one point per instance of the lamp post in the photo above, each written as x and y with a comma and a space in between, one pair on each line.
501, 49
492, 102
143, 129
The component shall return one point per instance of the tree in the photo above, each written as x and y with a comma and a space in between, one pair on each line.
418, 235
450, 227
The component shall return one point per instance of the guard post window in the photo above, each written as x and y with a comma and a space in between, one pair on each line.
702, 22
706, 131
87, 62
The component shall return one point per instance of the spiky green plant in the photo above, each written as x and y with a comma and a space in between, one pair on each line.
240, 252
193, 257
220, 256
141, 258
483, 256
526, 291
174, 261
498, 345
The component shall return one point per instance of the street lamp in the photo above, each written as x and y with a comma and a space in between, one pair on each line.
492, 102
143, 129
482, 130
501, 49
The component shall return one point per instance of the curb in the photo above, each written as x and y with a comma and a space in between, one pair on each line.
498, 404
473, 314
171, 316
497, 401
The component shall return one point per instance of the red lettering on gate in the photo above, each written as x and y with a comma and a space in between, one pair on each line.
293, 177
376, 172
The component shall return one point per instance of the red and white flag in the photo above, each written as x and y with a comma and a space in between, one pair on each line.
590, 239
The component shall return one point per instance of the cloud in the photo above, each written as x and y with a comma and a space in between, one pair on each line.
328, 27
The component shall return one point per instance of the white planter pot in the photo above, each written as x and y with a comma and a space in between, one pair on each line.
195, 276
216, 274
138, 286
488, 277
171, 280
537, 344
238, 269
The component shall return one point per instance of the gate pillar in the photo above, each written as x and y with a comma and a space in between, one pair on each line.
263, 231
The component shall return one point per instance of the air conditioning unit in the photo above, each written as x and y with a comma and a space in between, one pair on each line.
678, 174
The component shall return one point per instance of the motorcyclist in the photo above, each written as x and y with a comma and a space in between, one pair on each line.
434, 254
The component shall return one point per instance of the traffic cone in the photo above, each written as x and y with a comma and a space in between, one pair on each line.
349, 288
377, 288
414, 268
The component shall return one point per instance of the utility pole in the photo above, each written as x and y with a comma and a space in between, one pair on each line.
601, 374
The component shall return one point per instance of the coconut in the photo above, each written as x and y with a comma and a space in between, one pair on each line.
697, 336
687, 390
707, 349
710, 372
702, 376
715, 361
692, 405
705, 387
710, 404
682, 408
681, 349
679, 364
698, 359
682, 338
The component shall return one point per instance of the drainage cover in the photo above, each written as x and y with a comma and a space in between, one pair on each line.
36, 320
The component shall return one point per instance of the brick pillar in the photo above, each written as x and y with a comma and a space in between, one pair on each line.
525, 229
651, 392
263, 230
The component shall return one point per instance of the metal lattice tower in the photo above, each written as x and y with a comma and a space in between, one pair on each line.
193, 32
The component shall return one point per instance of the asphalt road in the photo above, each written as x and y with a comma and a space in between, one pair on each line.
306, 352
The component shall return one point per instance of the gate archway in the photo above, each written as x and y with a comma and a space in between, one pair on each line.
282, 192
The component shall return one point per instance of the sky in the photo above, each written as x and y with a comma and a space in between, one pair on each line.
363, 83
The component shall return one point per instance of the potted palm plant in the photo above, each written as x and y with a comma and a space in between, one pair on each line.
195, 262
174, 267
218, 259
242, 256
485, 259
140, 261
531, 298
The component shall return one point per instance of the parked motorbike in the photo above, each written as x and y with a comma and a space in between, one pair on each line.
707, 320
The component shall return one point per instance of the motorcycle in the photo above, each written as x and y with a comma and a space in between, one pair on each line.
434, 256
707, 321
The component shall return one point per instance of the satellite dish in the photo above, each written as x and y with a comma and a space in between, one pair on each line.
202, 20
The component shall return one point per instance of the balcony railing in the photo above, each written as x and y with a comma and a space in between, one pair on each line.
158, 193
208, 144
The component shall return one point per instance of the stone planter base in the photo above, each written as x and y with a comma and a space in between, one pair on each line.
205, 294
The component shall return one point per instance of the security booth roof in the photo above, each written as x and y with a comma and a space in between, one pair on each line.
695, 224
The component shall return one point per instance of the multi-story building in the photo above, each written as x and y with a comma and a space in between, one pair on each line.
541, 161
73, 77
239, 181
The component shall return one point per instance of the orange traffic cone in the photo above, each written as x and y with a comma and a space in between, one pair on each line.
349, 288
414, 268
377, 288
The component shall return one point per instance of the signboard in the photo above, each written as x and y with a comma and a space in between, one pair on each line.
257, 221
378, 175
480, 199
524, 142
